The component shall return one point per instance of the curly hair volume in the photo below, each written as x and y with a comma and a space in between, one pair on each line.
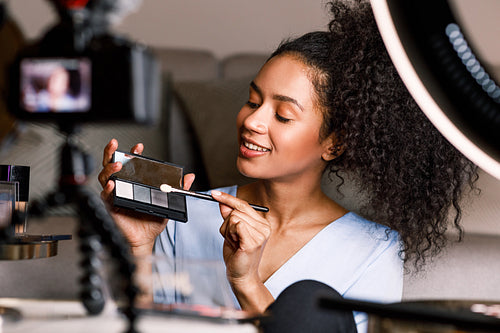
412, 176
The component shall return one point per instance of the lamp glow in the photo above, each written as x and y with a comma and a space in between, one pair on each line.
432, 107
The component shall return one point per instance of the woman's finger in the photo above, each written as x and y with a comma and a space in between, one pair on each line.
234, 203
234, 229
107, 171
224, 230
257, 229
244, 235
107, 191
188, 180
108, 152
137, 149
242, 231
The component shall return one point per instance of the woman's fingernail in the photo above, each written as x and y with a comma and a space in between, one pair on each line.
215, 193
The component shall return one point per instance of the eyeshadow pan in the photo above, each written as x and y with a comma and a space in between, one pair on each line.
159, 198
124, 189
177, 202
142, 193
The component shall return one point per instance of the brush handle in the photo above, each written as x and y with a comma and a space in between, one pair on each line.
209, 197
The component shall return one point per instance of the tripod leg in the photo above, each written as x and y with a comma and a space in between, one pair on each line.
91, 295
96, 218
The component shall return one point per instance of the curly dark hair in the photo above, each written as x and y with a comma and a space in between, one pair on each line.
412, 176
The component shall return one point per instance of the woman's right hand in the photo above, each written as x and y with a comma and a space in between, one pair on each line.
139, 229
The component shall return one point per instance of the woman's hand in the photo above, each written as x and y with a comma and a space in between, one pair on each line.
245, 233
139, 229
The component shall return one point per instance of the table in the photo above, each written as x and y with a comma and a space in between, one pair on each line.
44, 316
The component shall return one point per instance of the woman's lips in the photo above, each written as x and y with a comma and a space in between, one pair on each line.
248, 149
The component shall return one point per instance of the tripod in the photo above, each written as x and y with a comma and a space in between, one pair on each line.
97, 230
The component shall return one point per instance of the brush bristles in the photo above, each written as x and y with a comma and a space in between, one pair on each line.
166, 188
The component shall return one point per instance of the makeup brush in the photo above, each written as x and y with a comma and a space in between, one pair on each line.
168, 189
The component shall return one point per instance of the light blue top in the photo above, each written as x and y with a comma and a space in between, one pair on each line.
358, 258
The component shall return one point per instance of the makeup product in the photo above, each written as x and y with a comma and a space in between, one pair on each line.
20, 174
169, 189
137, 186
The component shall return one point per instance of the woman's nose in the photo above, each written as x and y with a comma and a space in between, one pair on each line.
257, 121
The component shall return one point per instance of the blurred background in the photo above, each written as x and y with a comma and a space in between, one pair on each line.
226, 27
221, 26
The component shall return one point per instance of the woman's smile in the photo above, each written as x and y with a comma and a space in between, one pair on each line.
251, 146
252, 149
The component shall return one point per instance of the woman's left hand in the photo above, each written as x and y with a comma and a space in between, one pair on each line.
245, 233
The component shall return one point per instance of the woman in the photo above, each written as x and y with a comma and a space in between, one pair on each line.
325, 101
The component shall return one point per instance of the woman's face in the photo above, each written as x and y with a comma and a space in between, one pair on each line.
279, 126
58, 82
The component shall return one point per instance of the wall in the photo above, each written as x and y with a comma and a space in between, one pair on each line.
229, 26
222, 26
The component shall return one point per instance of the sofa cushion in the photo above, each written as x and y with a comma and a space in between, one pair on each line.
212, 107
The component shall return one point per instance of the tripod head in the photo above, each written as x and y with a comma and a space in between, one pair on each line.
76, 166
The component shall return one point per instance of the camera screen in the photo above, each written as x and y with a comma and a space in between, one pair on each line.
55, 84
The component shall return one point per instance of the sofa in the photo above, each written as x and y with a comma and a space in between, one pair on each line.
201, 96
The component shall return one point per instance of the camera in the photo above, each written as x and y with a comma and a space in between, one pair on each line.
79, 72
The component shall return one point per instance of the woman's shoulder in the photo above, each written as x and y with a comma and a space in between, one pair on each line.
228, 189
360, 227
232, 189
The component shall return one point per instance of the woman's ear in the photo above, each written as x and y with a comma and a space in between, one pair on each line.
333, 148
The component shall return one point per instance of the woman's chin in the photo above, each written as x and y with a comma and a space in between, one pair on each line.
242, 171
246, 170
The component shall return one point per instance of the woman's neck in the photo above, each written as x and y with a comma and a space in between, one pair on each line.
291, 203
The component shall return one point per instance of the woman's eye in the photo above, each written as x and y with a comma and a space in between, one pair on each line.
252, 105
281, 119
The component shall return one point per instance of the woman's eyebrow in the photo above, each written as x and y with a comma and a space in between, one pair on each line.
283, 98
278, 97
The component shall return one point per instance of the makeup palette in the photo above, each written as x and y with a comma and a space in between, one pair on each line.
137, 186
